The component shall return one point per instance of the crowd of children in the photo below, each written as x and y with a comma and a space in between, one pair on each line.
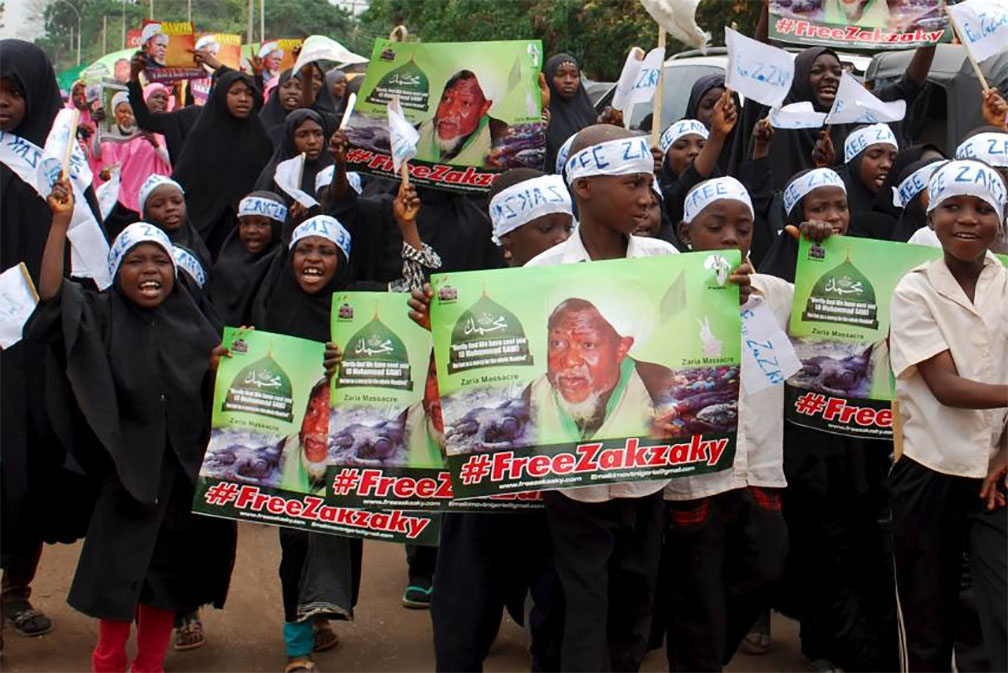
863, 541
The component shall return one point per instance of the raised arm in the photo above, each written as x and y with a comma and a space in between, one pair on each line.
920, 64
61, 203
722, 122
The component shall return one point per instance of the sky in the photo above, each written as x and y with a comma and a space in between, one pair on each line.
15, 20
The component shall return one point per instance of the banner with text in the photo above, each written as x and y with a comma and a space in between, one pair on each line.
872, 25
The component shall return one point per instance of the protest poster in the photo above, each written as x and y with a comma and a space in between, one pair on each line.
119, 124
277, 55
872, 25
168, 47
269, 452
386, 432
475, 105
582, 374
839, 328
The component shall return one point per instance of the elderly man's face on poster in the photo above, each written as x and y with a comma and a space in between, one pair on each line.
315, 430
157, 49
458, 113
584, 352
272, 60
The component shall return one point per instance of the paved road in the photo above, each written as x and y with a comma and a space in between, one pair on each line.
246, 636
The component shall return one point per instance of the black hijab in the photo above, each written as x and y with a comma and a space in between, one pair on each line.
878, 223
235, 269
222, 157
860, 197
567, 115
701, 87
273, 113
287, 150
913, 216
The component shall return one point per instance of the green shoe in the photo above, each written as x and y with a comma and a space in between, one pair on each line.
417, 597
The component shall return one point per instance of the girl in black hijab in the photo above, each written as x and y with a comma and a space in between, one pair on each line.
879, 222
223, 156
174, 125
283, 99
304, 131
570, 108
869, 153
911, 187
33, 456
140, 358
703, 95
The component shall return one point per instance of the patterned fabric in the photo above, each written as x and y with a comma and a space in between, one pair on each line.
417, 265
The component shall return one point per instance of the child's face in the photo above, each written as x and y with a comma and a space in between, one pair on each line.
620, 202
965, 226
146, 275
875, 165
308, 138
158, 101
314, 262
536, 236
255, 232
705, 108
723, 225
683, 151
566, 80
166, 208
290, 94
650, 228
12, 104
829, 205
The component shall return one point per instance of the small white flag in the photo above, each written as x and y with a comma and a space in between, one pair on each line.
982, 26
799, 115
288, 178
88, 251
322, 48
402, 136
639, 79
63, 131
108, 192
17, 301
756, 70
678, 17
351, 102
856, 105
768, 358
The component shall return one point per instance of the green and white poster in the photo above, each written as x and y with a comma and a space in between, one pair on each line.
839, 328
581, 374
269, 452
476, 106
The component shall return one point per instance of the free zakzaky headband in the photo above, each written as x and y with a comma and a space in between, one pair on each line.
717, 189
133, 235
623, 156
862, 138
799, 187
683, 127
525, 201
325, 226
967, 178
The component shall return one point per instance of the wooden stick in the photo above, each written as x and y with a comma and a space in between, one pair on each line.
404, 169
976, 66
71, 139
656, 123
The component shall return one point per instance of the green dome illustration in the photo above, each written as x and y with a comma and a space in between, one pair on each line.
375, 356
262, 388
487, 335
408, 82
843, 295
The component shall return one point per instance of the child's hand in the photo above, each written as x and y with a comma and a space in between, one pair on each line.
332, 360
296, 214
725, 115
98, 114
257, 65
419, 303
762, 135
218, 352
742, 276
611, 115
338, 146
406, 205
995, 109
137, 65
61, 201
996, 473
658, 157
823, 154
815, 231
544, 93
202, 56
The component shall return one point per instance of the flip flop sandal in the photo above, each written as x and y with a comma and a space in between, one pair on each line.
324, 638
190, 634
28, 621
300, 666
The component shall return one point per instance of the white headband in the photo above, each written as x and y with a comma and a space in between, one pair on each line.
799, 187
119, 97
969, 178
326, 227
916, 182
525, 201
152, 183
134, 234
325, 176
187, 261
149, 31
562, 153
624, 156
860, 139
683, 127
257, 205
268, 49
990, 147
709, 191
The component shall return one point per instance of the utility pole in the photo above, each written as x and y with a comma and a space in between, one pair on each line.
151, 10
251, 21
104, 34
71, 38
124, 25
262, 21
189, 10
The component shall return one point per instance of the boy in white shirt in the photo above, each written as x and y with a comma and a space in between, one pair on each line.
949, 353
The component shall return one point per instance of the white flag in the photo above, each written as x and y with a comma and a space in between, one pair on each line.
17, 301
108, 193
678, 17
982, 26
799, 115
63, 131
402, 136
288, 178
639, 79
351, 102
856, 105
756, 70
322, 48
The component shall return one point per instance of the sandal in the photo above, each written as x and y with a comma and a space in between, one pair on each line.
324, 637
300, 666
26, 620
189, 635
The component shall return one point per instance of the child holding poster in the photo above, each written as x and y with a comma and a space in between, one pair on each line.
949, 342
146, 555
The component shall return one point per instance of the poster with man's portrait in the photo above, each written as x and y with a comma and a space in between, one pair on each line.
564, 376
475, 105
167, 47
270, 451
119, 124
